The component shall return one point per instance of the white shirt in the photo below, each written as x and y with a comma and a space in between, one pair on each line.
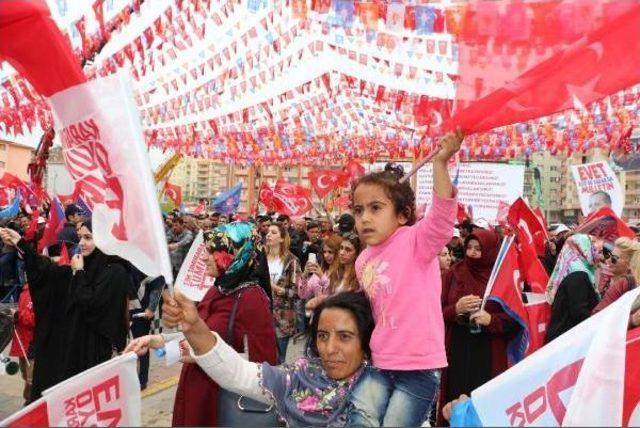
275, 269
232, 372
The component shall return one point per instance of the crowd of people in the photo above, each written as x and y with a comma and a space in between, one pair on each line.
375, 318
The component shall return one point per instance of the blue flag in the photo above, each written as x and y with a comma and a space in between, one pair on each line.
228, 202
85, 211
13, 209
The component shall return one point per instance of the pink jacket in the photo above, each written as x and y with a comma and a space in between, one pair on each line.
401, 276
313, 286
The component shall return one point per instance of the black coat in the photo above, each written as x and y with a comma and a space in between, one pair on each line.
573, 303
80, 319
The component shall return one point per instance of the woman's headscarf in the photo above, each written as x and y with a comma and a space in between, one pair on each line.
474, 273
305, 396
578, 254
233, 242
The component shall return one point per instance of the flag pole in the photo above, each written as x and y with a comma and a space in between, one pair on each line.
419, 165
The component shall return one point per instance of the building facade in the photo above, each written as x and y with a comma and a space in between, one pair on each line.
14, 158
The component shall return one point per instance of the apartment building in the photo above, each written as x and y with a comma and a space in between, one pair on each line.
14, 158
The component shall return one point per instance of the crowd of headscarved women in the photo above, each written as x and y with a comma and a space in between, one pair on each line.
382, 327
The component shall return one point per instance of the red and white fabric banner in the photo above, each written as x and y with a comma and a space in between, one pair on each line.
107, 395
105, 154
192, 280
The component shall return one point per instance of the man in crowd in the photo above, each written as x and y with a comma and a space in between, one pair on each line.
263, 227
69, 234
313, 243
346, 224
179, 243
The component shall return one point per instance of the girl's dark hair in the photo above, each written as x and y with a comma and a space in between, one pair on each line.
354, 302
401, 194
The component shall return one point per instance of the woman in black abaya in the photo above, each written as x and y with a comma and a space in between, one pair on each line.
81, 310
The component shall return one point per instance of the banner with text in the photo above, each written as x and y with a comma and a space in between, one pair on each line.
192, 280
598, 187
481, 185
107, 395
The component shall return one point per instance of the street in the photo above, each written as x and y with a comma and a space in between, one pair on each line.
157, 399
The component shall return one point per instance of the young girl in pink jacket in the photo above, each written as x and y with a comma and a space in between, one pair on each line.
400, 273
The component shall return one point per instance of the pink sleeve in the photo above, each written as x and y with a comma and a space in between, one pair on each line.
311, 287
435, 230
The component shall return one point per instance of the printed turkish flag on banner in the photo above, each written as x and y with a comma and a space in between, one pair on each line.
265, 196
326, 180
522, 219
105, 154
35, 414
105, 395
605, 224
631, 404
192, 280
173, 192
567, 55
291, 199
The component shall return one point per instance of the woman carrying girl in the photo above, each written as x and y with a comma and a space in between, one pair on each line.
400, 273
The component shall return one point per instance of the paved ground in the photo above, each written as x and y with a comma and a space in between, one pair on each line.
157, 399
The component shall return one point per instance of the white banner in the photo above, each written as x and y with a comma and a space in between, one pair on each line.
576, 380
104, 152
598, 186
192, 279
480, 185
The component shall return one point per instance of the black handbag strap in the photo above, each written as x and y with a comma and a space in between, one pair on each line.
230, 338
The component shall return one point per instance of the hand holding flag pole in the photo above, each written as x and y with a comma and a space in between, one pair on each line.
431, 155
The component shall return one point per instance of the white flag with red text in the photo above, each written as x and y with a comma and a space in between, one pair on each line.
104, 152
578, 379
192, 280
107, 395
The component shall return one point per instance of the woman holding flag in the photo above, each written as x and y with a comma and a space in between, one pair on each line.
81, 310
476, 339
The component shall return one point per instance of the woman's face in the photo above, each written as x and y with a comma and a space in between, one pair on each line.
338, 343
274, 239
328, 255
210, 262
473, 249
445, 259
618, 263
347, 253
86, 241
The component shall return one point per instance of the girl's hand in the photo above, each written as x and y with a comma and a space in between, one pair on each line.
178, 310
468, 304
9, 236
449, 146
141, 345
448, 408
635, 319
77, 262
481, 317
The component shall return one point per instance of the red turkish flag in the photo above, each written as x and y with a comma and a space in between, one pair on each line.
326, 180
265, 195
173, 192
539, 315
291, 199
631, 401
462, 213
561, 66
527, 224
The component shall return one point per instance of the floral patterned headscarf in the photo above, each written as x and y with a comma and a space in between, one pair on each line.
577, 255
305, 396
